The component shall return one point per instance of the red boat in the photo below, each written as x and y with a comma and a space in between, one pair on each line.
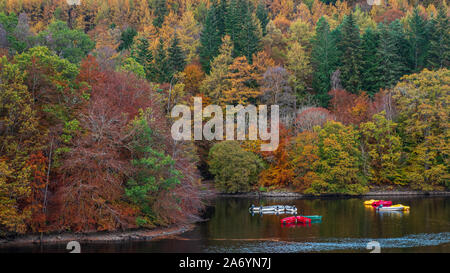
293, 225
382, 202
295, 219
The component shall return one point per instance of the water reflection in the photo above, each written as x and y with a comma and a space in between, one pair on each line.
334, 244
347, 226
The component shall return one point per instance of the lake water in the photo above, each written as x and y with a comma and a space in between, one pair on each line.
347, 226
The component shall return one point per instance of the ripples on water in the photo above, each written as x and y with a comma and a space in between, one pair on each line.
335, 244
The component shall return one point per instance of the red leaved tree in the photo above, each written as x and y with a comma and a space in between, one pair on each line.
349, 108
39, 186
310, 117
90, 193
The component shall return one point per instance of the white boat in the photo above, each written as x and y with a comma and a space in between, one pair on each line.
276, 208
392, 208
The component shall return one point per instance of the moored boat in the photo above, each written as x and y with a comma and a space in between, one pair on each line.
392, 208
275, 208
382, 202
314, 217
295, 219
400, 206
369, 202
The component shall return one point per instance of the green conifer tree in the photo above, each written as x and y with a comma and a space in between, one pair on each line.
249, 38
369, 43
417, 39
263, 16
160, 12
162, 69
439, 53
177, 58
210, 39
389, 66
144, 56
324, 58
351, 59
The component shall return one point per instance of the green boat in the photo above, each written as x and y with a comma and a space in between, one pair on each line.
314, 217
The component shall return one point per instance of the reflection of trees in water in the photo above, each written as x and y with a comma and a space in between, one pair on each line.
233, 220
342, 218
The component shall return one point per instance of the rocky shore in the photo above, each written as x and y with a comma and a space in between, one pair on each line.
132, 235
374, 193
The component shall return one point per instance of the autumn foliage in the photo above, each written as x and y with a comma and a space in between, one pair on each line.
86, 93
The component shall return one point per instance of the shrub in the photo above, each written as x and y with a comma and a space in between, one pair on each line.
234, 169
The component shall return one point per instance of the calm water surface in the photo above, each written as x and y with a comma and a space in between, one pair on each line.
347, 226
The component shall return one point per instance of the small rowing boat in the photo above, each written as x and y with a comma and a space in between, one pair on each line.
295, 219
369, 202
314, 217
398, 207
276, 208
382, 202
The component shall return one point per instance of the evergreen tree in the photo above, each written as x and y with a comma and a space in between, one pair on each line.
233, 19
243, 28
417, 39
221, 13
126, 39
439, 53
263, 16
389, 66
210, 39
160, 12
324, 60
144, 56
369, 43
351, 59
249, 38
401, 45
177, 59
161, 64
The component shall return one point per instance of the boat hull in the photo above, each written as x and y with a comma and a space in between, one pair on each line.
295, 219
393, 208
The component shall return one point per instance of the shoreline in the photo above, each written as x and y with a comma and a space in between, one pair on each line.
165, 232
289, 194
98, 237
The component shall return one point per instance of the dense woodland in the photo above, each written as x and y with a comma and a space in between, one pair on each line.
86, 92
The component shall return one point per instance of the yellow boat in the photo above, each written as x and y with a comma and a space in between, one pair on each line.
369, 202
399, 206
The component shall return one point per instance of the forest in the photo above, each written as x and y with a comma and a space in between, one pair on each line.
87, 86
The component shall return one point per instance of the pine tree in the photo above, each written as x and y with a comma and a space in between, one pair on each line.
243, 28
126, 39
369, 43
389, 66
162, 74
160, 12
439, 54
351, 59
249, 38
417, 39
144, 56
177, 59
210, 39
324, 58
233, 20
401, 45
263, 16
221, 13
